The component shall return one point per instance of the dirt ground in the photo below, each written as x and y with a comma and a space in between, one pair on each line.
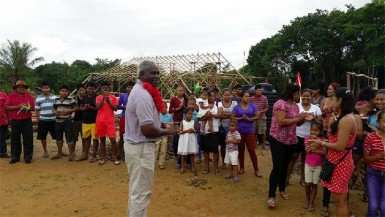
63, 188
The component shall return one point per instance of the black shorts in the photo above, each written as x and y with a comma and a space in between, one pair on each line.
66, 128
210, 142
358, 147
300, 146
76, 130
43, 127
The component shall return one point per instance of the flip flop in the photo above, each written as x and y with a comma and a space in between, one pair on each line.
102, 162
45, 155
258, 174
241, 171
55, 157
93, 160
81, 159
271, 203
206, 172
236, 179
285, 196
217, 173
117, 162
325, 213
311, 209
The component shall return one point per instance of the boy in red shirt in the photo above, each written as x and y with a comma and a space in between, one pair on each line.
105, 122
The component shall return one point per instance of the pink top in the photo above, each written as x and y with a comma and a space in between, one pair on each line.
286, 134
15, 99
313, 159
3, 114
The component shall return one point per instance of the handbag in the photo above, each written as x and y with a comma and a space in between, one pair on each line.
328, 167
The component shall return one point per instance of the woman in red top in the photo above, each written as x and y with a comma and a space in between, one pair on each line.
374, 156
177, 104
342, 132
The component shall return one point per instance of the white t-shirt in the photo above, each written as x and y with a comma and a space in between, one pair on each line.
214, 111
225, 122
303, 131
205, 103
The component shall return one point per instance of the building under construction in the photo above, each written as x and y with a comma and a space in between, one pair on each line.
213, 70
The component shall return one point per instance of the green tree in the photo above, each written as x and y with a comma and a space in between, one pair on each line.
16, 60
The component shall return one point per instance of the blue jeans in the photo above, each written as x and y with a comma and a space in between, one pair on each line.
375, 184
3, 144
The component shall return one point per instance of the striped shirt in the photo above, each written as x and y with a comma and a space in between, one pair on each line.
373, 145
61, 104
232, 135
45, 107
261, 103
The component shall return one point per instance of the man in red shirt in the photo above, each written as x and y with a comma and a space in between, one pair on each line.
105, 122
3, 126
19, 105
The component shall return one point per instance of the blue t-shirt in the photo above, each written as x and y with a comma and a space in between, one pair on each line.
372, 120
167, 118
245, 126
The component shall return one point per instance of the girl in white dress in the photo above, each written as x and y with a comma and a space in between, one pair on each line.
187, 144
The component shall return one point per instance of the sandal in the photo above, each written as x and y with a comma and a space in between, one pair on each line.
236, 179
228, 176
325, 212
241, 171
102, 162
217, 173
71, 158
271, 203
45, 155
285, 195
55, 157
93, 160
306, 206
117, 162
181, 171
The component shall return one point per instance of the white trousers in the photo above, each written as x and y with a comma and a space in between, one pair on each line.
140, 160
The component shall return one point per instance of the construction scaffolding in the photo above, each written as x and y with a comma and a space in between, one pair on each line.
213, 70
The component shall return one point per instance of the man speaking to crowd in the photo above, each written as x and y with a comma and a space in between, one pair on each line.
142, 130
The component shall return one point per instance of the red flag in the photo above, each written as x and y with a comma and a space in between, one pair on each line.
298, 80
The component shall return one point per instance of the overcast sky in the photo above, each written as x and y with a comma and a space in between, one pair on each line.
66, 30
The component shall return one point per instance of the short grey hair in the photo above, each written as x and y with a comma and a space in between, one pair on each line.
144, 66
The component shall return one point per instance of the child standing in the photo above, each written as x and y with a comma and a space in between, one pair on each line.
44, 116
204, 107
374, 157
105, 122
187, 144
62, 109
313, 165
233, 139
161, 145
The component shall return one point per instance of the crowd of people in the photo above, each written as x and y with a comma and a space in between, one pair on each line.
328, 132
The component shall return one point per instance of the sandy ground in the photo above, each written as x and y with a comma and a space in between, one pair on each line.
63, 188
